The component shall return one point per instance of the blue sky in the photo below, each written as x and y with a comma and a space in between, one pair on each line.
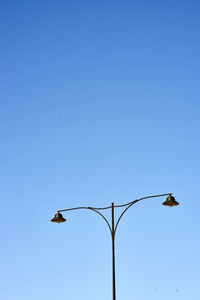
99, 103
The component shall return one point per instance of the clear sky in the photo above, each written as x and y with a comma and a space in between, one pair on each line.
99, 103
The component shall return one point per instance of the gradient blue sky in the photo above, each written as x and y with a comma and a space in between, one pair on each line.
99, 102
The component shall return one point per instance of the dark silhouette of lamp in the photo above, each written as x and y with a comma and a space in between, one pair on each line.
170, 201
58, 218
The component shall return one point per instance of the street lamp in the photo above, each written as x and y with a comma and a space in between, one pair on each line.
58, 218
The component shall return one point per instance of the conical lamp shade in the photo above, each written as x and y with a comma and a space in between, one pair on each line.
58, 218
170, 201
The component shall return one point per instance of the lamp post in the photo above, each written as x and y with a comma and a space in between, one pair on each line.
58, 218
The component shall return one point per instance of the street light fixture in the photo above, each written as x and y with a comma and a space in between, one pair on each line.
58, 218
170, 201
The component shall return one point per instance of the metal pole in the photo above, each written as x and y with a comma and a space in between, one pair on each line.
113, 252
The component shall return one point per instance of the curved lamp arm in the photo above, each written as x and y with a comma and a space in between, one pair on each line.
127, 205
132, 203
102, 217
90, 208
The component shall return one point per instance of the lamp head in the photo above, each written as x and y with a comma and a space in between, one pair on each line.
58, 218
170, 201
